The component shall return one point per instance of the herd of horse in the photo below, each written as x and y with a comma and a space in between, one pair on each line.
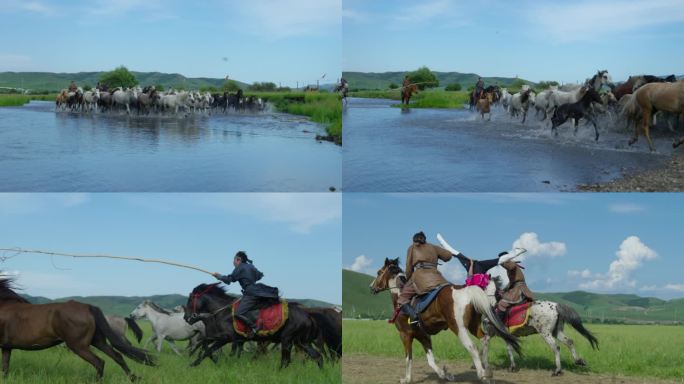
633, 102
148, 100
206, 321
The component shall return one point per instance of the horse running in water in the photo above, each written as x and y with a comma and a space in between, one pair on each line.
406, 93
456, 308
484, 105
652, 97
578, 110
34, 327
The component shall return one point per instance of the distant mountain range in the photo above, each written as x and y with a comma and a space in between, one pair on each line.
123, 305
358, 302
372, 80
49, 81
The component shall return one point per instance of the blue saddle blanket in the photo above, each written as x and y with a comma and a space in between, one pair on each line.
424, 300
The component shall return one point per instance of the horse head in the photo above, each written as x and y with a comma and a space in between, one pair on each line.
386, 276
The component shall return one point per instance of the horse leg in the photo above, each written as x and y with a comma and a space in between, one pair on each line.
512, 367
173, 346
86, 354
160, 341
285, 352
149, 340
426, 342
407, 340
571, 346
6, 353
593, 121
678, 143
551, 342
646, 119
313, 353
100, 343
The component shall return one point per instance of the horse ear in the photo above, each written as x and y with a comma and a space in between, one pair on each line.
387, 260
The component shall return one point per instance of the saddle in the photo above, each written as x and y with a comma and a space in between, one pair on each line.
518, 315
421, 302
269, 317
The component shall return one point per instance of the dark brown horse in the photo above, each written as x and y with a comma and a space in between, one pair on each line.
456, 308
39, 326
407, 91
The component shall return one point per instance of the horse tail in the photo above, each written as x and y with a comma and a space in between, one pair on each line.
330, 329
631, 107
134, 328
568, 314
117, 341
480, 301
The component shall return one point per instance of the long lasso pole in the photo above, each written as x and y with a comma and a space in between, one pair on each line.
103, 256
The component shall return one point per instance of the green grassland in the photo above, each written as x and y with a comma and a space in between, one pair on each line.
15, 100
631, 350
58, 365
357, 302
431, 98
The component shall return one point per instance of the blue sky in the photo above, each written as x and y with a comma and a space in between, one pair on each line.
617, 243
262, 40
536, 40
294, 239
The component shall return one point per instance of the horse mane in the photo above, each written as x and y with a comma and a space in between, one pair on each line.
7, 291
158, 308
216, 289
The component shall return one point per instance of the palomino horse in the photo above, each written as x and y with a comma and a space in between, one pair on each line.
167, 325
211, 302
483, 105
408, 91
545, 318
664, 97
39, 326
456, 308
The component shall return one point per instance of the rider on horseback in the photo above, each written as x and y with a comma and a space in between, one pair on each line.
247, 275
479, 88
421, 273
517, 291
73, 87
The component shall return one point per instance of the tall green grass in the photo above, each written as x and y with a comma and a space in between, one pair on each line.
58, 365
423, 99
630, 350
323, 108
13, 100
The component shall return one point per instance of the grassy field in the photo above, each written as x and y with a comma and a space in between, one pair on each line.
58, 365
424, 99
14, 100
323, 108
630, 350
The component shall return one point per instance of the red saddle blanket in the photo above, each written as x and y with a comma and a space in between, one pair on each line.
518, 316
270, 319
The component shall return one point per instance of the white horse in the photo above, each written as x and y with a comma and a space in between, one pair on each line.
167, 325
541, 101
505, 98
546, 318
558, 98
521, 101
90, 98
176, 100
125, 98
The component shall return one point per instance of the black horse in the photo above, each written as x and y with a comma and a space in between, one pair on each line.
211, 304
578, 110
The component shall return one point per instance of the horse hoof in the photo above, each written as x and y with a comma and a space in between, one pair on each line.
513, 369
557, 373
581, 362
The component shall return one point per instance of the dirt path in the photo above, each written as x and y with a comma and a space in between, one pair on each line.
668, 179
364, 369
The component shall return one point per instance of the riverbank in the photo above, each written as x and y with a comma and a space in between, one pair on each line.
17, 100
423, 99
322, 108
667, 179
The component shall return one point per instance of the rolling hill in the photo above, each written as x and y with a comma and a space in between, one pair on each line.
364, 80
56, 81
123, 305
357, 302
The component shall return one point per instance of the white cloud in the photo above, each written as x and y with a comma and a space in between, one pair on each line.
630, 256
589, 20
530, 241
585, 274
275, 19
626, 208
361, 264
667, 287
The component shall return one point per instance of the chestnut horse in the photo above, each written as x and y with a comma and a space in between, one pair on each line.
483, 104
651, 97
39, 326
406, 93
456, 308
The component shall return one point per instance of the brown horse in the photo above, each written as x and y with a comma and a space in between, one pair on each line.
483, 104
665, 97
39, 326
456, 307
407, 91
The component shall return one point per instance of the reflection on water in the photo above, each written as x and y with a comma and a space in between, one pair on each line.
41, 150
390, 150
